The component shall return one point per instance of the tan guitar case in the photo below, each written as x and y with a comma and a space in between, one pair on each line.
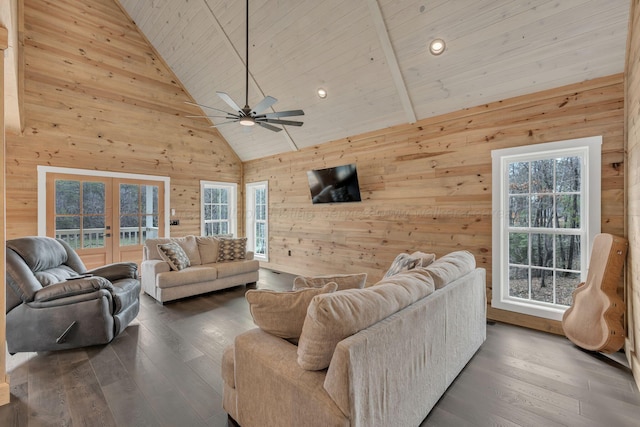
595, 319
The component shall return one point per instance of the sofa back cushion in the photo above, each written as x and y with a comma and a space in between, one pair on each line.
188, 244
333, 317
282, 313
450, 267
344, 281
151, 247
209, 247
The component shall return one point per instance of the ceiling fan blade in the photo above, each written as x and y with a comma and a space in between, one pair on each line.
204, 106
281, 122
273, 128
221, 117
284, 114
226, 98
263, 105
224, 123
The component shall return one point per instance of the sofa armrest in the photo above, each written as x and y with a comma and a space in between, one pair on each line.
273, 389
153, 267
116, 271
149, 271
71, 288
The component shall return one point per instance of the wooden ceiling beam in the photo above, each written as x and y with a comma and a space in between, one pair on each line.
392, 61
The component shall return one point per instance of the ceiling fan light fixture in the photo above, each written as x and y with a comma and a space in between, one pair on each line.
437, 46
322, 93
247, 121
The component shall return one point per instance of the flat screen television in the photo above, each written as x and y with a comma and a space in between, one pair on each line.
334, 185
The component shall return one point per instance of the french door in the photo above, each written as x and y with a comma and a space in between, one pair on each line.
104, 219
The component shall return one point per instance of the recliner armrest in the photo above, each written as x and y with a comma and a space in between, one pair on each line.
116, 271
71, 288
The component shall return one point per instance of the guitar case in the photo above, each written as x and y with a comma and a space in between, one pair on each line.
595, 319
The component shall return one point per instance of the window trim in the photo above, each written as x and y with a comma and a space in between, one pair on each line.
250, 218
590, 148
233, 204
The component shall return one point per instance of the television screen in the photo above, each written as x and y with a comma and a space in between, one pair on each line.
334, 185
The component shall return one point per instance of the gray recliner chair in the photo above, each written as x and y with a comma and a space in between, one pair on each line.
54, 303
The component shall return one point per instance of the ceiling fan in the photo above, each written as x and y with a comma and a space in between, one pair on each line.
248, 116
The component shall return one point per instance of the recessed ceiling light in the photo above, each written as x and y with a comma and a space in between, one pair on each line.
322, 93
437, 46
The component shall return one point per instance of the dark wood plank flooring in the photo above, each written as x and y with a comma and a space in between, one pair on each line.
164, 370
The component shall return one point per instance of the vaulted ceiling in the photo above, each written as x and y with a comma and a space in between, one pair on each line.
372, 57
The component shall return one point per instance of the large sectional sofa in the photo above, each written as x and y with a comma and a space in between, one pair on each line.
211, 263
378, 356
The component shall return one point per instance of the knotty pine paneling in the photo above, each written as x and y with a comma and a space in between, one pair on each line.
4, 378
427, 186
632, 115
97, 96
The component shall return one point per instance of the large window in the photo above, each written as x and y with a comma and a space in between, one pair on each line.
257, 219
218, 212
546, 204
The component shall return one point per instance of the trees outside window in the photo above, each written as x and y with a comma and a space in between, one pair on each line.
218, 208
257, 219
546, 213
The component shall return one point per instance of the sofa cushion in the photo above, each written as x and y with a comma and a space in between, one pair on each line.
232, 249
344, 281
333, 317
282, 313
187, 276
208, 247
233, 268
403, 262
190, 247
174, 255
152, 247
450, 267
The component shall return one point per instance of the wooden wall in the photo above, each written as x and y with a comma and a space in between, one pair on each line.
97, 96
4, 379
427, 186
632, 98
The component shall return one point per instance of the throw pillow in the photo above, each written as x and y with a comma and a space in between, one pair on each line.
174, 255
344, 281
282, 313
425, 259
403, 262
232, 249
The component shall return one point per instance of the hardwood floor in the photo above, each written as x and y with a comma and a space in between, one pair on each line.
164, 370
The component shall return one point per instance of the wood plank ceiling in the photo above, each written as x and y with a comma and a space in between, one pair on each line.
372, 57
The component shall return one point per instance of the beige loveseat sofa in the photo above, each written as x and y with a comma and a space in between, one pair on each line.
213, 263
378, 356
